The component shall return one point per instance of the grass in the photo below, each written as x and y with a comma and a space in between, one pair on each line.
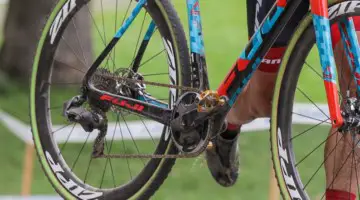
225, 35
189, 178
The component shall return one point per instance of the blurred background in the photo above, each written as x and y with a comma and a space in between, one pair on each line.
225, 35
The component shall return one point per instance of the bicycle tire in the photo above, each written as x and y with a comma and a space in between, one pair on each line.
169, 25
294, 59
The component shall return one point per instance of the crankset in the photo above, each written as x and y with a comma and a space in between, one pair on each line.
191, 116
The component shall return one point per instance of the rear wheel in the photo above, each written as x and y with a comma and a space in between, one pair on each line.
64, 148
300, 123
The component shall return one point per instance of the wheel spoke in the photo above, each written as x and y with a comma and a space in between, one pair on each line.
315, 119
142, 121
307, 130
312, 102
317, 147
78, 40
132, 138
62, 128
317, 170
73, 51
67, 139
152, 57
138, 40
82, 148
124, 147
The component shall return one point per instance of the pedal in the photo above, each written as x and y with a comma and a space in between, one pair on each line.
210, 146
209, 100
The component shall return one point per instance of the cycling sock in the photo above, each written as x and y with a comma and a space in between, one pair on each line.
335, 32
272, 60
339, 195
231, 132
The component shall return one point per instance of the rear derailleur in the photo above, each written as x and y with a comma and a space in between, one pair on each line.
94, 117
89, 120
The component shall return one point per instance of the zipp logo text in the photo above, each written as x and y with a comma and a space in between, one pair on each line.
70, 185
343, 8
60, 18
284, 161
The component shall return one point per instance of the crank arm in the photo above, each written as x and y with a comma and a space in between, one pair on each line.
217, 114
151, 111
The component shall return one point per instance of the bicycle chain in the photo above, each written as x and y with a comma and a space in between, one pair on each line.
159, 156
184, 88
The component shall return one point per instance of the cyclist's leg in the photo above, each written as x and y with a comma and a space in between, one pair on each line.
255, 100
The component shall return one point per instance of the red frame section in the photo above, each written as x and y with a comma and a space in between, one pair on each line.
320, 8
281, 3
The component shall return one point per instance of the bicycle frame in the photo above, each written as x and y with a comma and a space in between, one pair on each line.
247, 63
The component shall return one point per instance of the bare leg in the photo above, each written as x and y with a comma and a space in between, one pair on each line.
255, 102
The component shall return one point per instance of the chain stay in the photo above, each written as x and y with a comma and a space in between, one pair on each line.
160, 156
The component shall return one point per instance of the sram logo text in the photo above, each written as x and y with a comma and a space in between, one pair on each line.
70, 185
60, 18
122, 103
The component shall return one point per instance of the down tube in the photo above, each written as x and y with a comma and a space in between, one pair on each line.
319, 9
259, 44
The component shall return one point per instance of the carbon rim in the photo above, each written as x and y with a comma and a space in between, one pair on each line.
298, 149
49, 161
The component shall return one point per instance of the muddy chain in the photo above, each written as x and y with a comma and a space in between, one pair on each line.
159, 156
184, 88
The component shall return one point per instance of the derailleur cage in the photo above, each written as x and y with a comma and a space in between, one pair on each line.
89, 120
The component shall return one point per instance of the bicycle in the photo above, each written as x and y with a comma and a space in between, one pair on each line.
193, 114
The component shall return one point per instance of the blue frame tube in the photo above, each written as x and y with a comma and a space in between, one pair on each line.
130, 19
195, 27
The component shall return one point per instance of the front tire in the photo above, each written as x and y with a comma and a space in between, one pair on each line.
299, 161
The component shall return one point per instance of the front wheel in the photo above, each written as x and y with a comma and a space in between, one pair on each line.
309, 156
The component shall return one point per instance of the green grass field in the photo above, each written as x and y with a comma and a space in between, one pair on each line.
189, 179
225, 35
